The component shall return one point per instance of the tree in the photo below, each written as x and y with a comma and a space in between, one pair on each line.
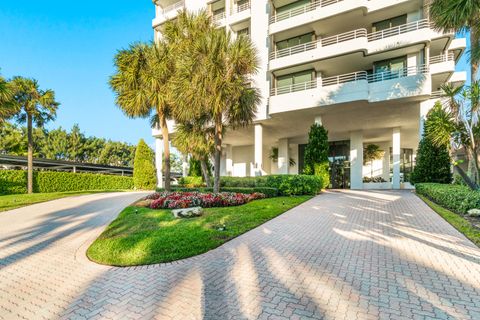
144, 176
316, 153
371, 153
213, 76
432, 164
7, 107
460, 15
76, 144
34, 106
56, 146
141, 85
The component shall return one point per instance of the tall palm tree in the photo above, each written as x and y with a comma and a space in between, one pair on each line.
141, 84
460, 15
34, 106
7, 107
213, 76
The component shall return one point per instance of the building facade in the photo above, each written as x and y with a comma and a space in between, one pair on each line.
368, 70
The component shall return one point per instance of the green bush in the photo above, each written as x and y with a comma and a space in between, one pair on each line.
286, 184
15, 181
144, 175
432, 164
191, 182
269, 192
316, 154
242, 182
457, 198
194, 168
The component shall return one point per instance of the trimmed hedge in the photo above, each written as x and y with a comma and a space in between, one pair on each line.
268, 192
15, 181
456, 198
191, 182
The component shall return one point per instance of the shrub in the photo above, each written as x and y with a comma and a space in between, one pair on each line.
194, 168
316, 154
286, 185
177, 200
144, 175
268, 192
432, 164
242, 182
457, 198
191, 182
15, 181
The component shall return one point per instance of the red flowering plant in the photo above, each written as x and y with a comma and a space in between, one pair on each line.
179, 200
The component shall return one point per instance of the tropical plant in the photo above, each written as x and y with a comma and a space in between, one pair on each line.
461, 16
371, 153
7, 107
316, 153
141, 85
213, 76
455, 124
433, 163
33, 106
144, 176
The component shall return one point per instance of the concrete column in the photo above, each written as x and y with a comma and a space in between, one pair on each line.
318, 120
427, 54
258, 160
185, 165
396, 158
356, 160
159, 161
425, 107
386, 163
229, 160
283, 156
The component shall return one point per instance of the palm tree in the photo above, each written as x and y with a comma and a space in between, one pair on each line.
33, 106
141, 84
7, 107
213, 76
460, 15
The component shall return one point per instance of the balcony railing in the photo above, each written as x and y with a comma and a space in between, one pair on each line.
404, 28
301, 10
174, 7
240, 8
351, 77
359, 33
219, 17
442, 58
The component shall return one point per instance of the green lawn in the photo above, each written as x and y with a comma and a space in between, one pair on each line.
14, 201
142, 236
456, 220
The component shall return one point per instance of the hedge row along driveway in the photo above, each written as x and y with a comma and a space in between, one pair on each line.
15, 182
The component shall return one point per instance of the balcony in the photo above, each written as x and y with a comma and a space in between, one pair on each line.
167, 13
442, 63
404, 83
219, 18
353, 41
322, 9
240, 12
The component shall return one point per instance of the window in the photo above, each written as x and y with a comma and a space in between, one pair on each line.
243, 32
291, 6
296, 81
390, 69
389, 23
295, 41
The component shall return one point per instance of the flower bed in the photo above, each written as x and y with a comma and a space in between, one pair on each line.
178, 200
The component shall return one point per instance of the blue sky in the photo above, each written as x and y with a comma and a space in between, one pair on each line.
68, 46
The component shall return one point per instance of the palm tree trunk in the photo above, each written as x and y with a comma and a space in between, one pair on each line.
30, 154
218, 154
473, 64
166, 152
206, 177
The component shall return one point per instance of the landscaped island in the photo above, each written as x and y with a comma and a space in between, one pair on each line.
142, 236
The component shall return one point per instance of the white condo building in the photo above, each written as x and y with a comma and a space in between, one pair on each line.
368, 70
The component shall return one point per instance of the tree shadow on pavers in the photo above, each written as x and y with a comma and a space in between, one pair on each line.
57, 226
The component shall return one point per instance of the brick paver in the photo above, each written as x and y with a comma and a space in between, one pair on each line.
342, 255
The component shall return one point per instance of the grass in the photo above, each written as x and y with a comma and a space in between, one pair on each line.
141, 236
456, 220
13, 201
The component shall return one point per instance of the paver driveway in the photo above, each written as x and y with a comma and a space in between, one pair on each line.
345, 255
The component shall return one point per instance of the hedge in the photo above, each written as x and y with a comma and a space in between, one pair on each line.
191, 182
269, 192
15, 181
456, 198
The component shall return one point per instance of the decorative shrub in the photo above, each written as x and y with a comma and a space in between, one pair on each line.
191, 182
15, 181
285, 184
178, 200
194, 168
316, 154
432, 164
268, 192
457, 198
144, 175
